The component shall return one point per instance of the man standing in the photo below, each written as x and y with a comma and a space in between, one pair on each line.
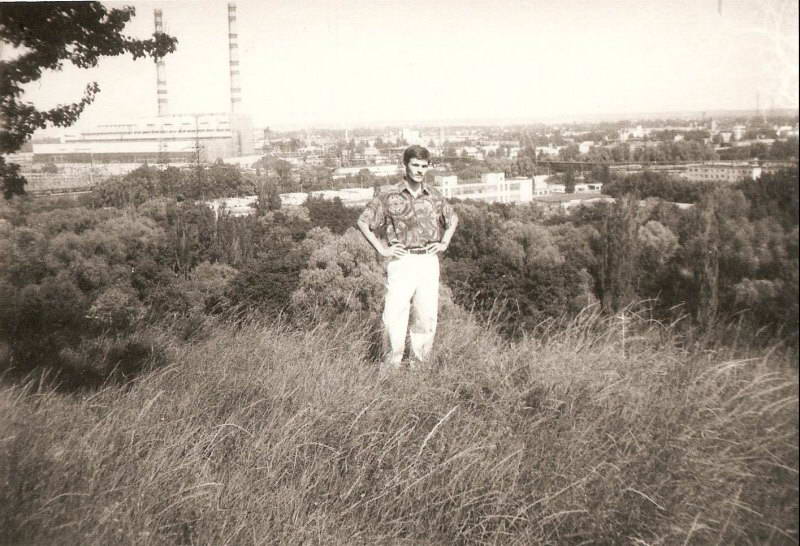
418, 224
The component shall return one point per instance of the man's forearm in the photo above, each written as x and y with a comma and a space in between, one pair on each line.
448, 233
370, 236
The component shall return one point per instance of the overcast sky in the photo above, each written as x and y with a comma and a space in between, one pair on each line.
353, 62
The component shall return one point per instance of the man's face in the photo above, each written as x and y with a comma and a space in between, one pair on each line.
416, 169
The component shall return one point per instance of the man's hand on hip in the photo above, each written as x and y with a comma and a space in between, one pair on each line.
435, 248
394, 251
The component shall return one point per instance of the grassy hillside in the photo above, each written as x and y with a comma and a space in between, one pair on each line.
257, 434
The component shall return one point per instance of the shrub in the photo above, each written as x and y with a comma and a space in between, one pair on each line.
110, 358
343, 275
116, 308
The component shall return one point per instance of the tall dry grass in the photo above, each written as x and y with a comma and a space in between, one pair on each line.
258, 434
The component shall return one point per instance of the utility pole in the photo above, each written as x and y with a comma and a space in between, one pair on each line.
198, 167
196, 143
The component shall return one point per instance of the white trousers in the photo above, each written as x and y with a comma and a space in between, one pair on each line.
412, 285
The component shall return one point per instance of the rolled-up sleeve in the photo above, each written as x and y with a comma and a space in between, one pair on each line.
373, 214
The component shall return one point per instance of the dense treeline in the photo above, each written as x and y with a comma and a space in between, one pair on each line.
777, 150
659, 185
734, 252
147, 182
75, 279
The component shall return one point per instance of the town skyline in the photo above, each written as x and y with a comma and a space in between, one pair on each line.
311, 66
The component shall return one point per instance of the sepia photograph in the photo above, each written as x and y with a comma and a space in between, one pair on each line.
372, 272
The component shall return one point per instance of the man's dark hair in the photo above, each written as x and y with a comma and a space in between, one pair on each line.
416, 152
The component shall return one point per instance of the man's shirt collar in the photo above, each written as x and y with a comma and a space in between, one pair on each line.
403, 186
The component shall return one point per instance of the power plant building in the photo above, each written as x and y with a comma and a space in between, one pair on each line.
165, 138
176, 138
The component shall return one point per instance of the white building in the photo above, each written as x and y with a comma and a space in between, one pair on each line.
350, 197
540, 186
411, 136
177, 138
787, 131
472, 152
731, 172
375, 170
493, 188
233, 206
591, 187
445, 181
549, 150
631, 132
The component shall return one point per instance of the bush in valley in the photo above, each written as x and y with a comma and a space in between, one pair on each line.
343, 274
331, 214
67, 275
108, 359
267, 284
532, 272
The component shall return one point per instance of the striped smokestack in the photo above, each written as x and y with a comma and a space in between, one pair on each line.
233, 56
161, 71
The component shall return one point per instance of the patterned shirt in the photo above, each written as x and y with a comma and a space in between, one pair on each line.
408, 220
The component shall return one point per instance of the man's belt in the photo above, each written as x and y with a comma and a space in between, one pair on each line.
413, 249
417, 250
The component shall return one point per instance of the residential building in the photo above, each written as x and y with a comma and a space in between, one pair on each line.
493, 188
718, 171
411, 136
787, 131
375, 170
632, 132
540, 186
549, 150
590, 187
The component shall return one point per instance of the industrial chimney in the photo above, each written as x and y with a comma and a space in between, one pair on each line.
161, 73
233, 58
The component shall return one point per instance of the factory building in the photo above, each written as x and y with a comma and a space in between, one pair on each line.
165, 138
176, 138
718, 171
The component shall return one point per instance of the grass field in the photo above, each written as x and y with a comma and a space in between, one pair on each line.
257, 434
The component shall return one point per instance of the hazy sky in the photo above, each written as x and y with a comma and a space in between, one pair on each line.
351, 62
